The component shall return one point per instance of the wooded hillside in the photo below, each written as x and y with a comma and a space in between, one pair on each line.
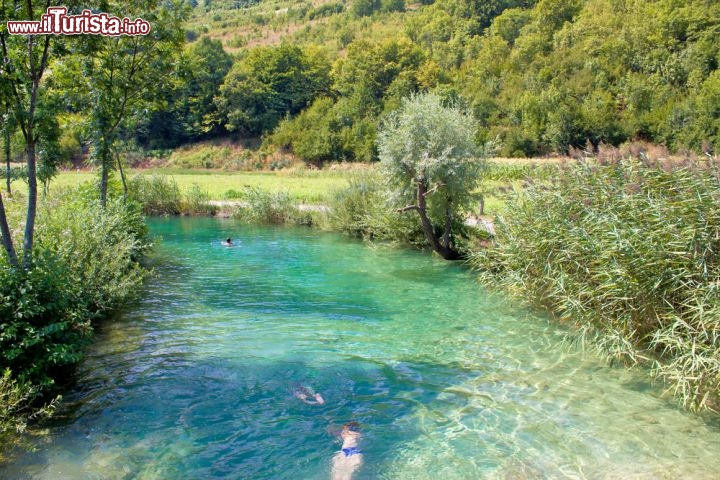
316, 78
540, 76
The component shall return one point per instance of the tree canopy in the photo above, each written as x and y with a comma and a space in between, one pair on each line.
539, 76
428, 152
542, 76
268, 84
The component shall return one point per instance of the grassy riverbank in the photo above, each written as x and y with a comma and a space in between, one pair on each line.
86, 265
303, 185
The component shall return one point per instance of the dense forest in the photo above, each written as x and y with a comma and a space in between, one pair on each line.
540, 77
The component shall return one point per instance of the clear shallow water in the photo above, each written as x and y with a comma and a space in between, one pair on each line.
196, 381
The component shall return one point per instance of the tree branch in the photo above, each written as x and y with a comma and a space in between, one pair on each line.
18, 101
408, 208
45, 55
434, 189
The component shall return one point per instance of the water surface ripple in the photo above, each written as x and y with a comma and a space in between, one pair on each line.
196, 381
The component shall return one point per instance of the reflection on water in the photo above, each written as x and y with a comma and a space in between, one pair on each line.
197, 380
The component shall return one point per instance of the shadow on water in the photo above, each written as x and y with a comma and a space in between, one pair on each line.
213, 418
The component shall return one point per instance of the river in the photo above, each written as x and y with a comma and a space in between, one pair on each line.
197, 380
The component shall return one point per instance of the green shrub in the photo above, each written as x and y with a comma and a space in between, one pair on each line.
631, 254
237, 41
200, 157
325, 10
86, 264
364, 209
158, 194
43, 323
232, 194
197, 202
99, 248
260, 206
353, 208
15, 397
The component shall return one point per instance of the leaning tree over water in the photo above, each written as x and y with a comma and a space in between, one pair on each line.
427, 150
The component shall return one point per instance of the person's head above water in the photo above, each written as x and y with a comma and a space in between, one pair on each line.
350, 429
308, 395
229, 240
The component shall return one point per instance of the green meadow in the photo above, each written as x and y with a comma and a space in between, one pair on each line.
303, 186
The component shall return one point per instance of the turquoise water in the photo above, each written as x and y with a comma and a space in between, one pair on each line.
196, 381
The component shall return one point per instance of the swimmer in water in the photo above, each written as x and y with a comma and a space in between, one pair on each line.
307, 395
228, 242
350, 458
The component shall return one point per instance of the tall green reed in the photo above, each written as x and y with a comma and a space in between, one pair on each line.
261, 206
629, 253
158, 194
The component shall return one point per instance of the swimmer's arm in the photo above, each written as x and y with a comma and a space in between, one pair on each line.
317, 399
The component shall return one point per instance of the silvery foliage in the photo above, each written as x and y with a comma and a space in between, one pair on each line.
428, 141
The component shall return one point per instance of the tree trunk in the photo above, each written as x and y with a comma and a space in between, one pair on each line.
27, 121
448, 225
122, 177
104, 175
105, 146
8, 171
445, 251
32, 202
6, 238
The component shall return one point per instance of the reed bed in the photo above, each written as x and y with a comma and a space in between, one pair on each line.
508, 171
629, 252
158, 194
261, 206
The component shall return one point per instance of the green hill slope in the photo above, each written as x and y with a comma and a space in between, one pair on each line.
539, 76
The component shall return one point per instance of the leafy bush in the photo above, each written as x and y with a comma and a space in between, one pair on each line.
99, 248
43, 324
364, 209
15, 397
232, 194
86, 264
630, 253
197, 202
201, 156
158, 194
261, 206
325, 10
